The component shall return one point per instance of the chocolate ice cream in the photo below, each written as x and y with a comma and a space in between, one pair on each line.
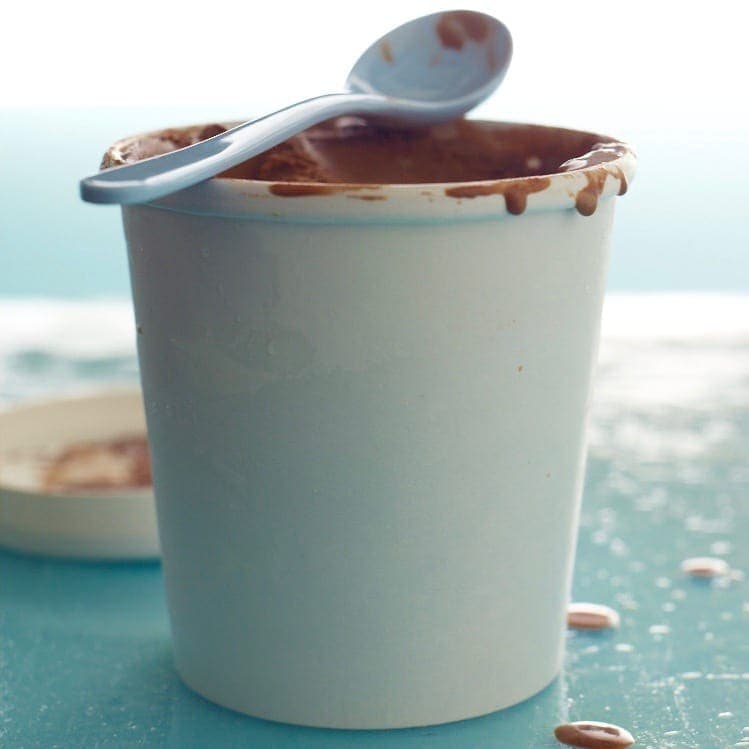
352, 151
514, 160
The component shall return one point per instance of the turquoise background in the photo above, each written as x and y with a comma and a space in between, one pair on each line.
682, 226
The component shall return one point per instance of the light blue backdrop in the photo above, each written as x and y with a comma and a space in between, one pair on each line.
682, 226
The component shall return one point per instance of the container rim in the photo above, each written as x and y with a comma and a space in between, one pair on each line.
601, 173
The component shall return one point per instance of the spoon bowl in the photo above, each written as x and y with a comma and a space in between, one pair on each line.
428, 70
441, 65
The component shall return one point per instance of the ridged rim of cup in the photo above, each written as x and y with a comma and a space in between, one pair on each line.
314, 202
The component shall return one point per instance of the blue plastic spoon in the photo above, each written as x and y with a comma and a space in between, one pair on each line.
431, 69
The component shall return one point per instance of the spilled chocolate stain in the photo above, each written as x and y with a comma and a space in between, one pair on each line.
599, 157
601, 153
514, 191
456, 27
586, 200
367, 197
300, 189
386, 51
617, 172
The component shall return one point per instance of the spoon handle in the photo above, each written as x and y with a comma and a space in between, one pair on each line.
153, 178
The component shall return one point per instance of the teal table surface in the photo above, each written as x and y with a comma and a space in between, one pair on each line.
84, 648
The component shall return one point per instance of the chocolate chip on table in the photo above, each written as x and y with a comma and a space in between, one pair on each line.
591, 616
591, 734
705, 567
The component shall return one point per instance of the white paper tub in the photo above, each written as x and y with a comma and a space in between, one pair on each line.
367, 422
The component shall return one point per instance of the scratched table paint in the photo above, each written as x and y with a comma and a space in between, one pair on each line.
84, 649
